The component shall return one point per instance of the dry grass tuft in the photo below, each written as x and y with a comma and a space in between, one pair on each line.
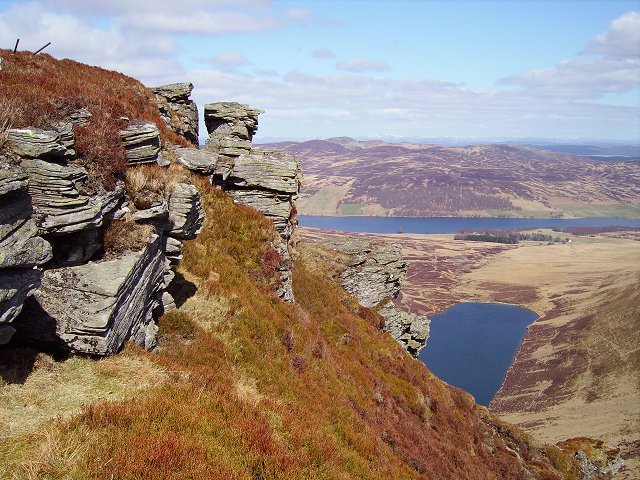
59, 389
247, 390
123, 235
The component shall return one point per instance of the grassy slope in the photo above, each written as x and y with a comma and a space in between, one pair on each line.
260, 389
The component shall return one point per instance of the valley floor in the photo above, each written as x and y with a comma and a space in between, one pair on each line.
576, 373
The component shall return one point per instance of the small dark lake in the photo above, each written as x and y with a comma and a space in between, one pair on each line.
451, 224
472, 345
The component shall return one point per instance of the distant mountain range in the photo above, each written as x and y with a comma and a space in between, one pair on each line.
344, 176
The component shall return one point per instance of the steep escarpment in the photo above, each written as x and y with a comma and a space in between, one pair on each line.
151, 249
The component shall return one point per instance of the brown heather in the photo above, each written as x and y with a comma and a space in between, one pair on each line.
260, 389
38, 90
123, 235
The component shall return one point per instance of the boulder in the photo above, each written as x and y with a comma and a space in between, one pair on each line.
231, 127
96, 307
80, 116
266, 170
142, 142
373, 271
174, 92
186, 214
37, 143
177, 110
201, 161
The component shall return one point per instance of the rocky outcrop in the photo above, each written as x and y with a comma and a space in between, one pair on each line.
38, 143
185, 212
373, 272
21, 249
231, 127
142, 142
96, 307
269, 181
411, 330
85, 307
177, 110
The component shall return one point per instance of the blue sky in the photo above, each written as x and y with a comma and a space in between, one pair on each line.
369, 69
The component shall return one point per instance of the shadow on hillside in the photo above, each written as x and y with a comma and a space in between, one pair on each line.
16, 363
181, 289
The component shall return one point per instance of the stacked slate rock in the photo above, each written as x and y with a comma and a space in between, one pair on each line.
267, 180
231, 127
56, 188
21, 249
82, 302
374, 272
94, 308
142, 142
177, 110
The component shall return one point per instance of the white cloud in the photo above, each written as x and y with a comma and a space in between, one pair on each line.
621, 40
201, 22
362, 65
230, 59
323, 53
299, 13
70, 37
610, 64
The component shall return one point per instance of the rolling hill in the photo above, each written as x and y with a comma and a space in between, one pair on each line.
344, 176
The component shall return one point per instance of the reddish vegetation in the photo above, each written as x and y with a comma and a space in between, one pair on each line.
39, 90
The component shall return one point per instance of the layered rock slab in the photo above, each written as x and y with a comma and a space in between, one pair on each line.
141, 141
96, 307
21, 249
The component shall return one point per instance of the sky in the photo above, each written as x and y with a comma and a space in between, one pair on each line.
474, 69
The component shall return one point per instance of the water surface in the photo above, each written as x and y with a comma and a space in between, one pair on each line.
472, 345
451, 224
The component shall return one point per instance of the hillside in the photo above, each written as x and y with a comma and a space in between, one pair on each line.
157, 321
348, 177
576, 371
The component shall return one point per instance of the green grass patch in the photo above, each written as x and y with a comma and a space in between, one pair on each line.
350, 209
